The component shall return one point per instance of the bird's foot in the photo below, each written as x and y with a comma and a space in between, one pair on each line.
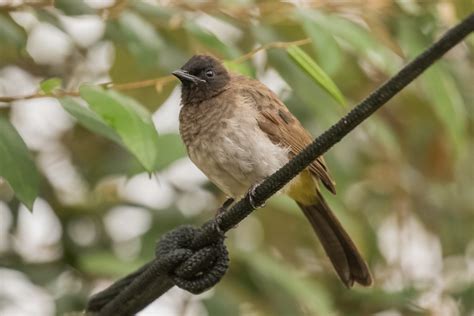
221, 210
224, 206
251, 196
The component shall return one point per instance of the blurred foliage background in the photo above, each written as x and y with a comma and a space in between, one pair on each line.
405, 178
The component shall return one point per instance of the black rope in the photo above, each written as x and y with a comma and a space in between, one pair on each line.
177, 263
195, 259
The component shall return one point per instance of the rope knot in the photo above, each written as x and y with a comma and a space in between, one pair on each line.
194, 269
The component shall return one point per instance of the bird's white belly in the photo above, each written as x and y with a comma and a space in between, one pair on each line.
238, 155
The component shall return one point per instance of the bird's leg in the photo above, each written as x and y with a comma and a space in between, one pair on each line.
221, 210
224, 206
251, 196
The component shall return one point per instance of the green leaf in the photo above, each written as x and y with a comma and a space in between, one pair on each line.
69, 7
316, 73
308, 292
140, 37
437, 83
441, 90
356, 38
160, 14
16, 164
304, 90
211, 41
129, 119
11, 33
49, 85
89, 119
105, 263
174, 149
241, 68
329, 53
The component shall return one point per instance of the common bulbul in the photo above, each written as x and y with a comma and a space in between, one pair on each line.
238, 132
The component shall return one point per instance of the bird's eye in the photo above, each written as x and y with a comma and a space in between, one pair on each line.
209, 73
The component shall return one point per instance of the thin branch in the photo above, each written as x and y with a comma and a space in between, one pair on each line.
159, 82
271, 45
58, 94
27, 4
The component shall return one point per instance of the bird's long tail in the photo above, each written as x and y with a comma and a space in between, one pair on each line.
338, 245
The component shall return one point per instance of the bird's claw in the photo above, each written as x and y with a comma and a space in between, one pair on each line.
217, 225
221, 210
224, 206
251, 197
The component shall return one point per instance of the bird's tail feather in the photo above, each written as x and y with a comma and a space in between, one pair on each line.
339, 247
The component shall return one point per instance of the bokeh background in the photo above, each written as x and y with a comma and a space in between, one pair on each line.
405, 178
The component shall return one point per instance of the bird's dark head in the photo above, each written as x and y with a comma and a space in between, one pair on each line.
203, 77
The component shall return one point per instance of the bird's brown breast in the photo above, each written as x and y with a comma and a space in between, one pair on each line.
203, 121
224, 140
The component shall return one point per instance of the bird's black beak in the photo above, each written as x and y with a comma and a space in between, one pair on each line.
185, 76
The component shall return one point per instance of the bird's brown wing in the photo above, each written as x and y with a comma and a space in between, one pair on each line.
283, 128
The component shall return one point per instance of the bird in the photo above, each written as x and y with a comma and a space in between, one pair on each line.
238, 132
